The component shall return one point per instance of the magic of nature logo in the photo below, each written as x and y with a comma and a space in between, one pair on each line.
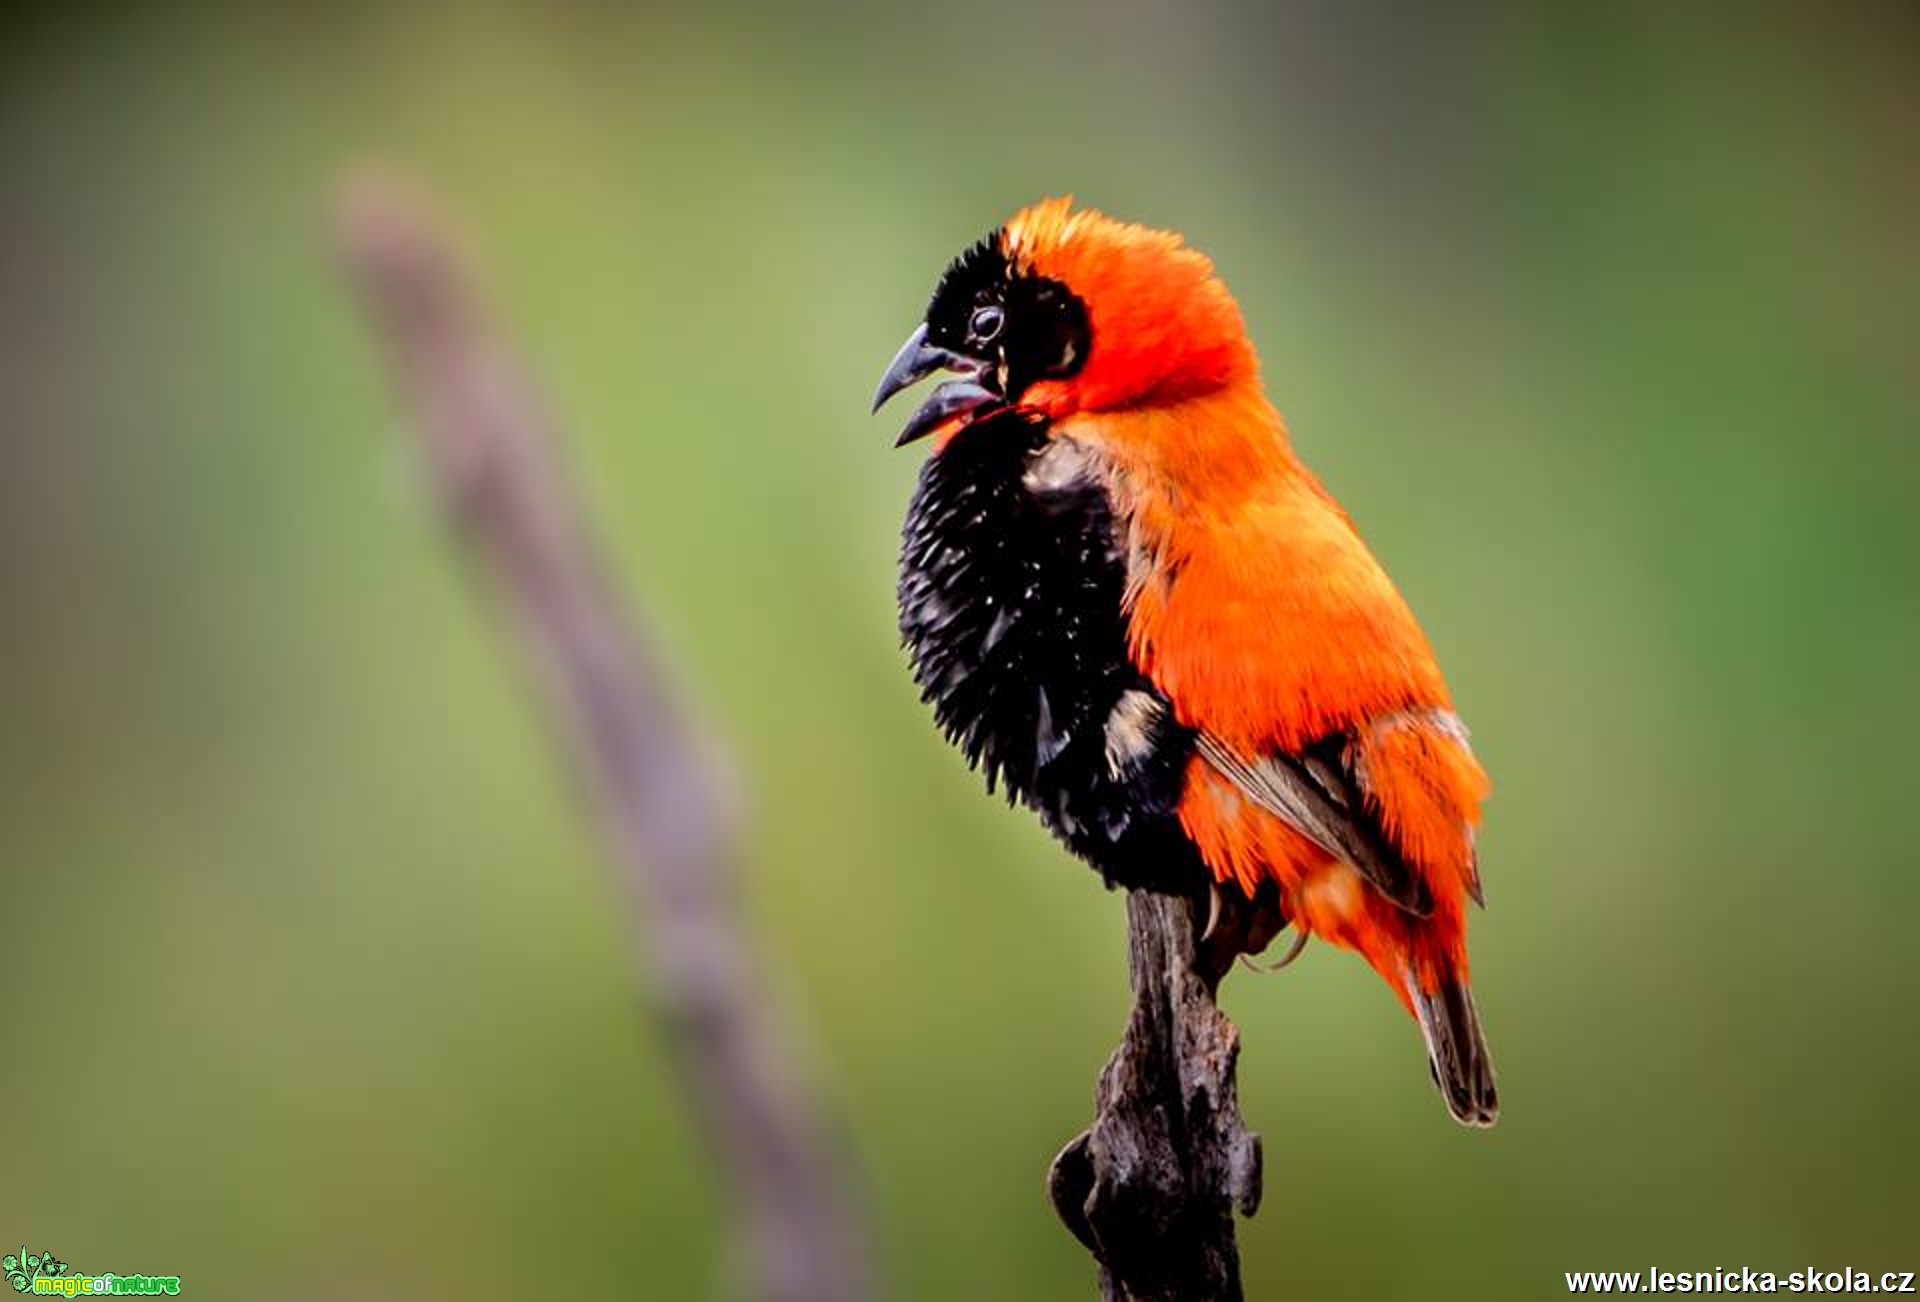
46, 1274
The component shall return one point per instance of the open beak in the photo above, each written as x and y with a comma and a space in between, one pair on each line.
916, 360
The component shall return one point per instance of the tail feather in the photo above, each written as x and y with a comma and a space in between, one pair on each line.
1456, 1050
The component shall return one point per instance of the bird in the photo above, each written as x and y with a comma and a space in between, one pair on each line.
1135, 610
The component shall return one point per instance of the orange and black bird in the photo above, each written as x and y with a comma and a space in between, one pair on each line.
1131, 605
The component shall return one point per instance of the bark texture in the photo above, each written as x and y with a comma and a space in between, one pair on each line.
1152, 1186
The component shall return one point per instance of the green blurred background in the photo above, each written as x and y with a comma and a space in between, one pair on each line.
1602, 325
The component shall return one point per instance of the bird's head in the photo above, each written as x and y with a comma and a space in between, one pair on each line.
1062, 311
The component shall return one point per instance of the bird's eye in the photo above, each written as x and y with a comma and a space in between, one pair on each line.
986, 323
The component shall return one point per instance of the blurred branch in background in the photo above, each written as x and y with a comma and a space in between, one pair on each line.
1151, 1187
492, 456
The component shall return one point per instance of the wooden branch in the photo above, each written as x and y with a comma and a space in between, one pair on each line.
492, 456
1152, 1185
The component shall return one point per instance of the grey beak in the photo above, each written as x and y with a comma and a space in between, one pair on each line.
916, 360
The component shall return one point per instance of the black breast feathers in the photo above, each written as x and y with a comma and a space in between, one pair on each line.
1011, 586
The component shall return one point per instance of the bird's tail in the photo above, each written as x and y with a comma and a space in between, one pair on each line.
1456, 1048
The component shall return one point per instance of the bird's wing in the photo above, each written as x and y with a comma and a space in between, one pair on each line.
1274, 633
1396, 801
1324, 804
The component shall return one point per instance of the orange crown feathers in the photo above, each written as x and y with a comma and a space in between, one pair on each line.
1164, 328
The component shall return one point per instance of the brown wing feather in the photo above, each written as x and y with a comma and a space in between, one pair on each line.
1319, 795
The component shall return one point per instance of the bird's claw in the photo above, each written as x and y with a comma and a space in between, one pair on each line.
1213, 912
1300, 938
